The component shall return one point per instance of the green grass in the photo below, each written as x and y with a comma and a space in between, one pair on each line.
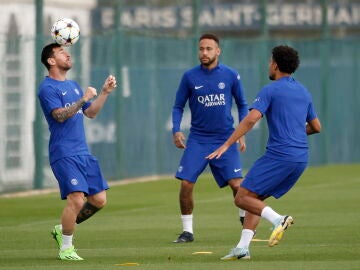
141, 220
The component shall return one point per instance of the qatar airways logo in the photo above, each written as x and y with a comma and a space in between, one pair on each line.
212, 100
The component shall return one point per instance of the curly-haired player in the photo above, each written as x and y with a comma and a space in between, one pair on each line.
290, 116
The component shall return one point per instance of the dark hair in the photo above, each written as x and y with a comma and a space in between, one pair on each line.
210, 36
48, 52
286, 58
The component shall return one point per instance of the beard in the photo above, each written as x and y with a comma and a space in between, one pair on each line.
207, 61
271, 77
66, 67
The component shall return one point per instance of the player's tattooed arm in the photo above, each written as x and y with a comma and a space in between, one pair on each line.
62, 114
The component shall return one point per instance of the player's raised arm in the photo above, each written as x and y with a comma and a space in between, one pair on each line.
98, 103
62, 114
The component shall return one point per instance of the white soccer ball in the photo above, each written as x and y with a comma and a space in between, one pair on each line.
65, 32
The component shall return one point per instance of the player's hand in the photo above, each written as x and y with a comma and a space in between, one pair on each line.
218, 152
179, 139
89, 93
109, 84
242, 144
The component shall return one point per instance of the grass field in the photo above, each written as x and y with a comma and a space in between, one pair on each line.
141, 220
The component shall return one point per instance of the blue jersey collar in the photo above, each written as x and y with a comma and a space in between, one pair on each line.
287, 78
210, 70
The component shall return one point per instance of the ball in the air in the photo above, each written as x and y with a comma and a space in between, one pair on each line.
65, 32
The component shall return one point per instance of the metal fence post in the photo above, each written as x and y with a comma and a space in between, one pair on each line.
38, 125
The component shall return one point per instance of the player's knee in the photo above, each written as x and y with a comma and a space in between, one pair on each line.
75, 201
235, 184
239, 204
101, 203
185, 184
234, 188
186, 188
238, 201
98, 201
75, 205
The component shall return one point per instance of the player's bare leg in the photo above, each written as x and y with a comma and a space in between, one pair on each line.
234, 185
186, 197
249, 201
74, 203
251, 221
254, 204
63, 233
186, 206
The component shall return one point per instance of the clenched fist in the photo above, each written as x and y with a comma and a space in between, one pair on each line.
109, 84
89, 93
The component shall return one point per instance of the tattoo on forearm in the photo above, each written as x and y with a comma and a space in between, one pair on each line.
62, 114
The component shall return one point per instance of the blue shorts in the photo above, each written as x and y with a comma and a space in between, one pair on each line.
271, 177
193, 163
79, 173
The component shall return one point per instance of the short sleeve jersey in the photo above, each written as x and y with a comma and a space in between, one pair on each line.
67, 138
210, 94
287, 105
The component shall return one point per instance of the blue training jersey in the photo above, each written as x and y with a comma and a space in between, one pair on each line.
67, 138
210, 94
287, 105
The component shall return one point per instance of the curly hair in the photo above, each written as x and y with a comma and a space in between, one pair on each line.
286, 57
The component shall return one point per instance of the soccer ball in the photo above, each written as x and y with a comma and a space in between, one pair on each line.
65, 32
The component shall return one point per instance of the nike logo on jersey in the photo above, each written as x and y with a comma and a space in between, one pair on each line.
64, 93
198, 87
237, 170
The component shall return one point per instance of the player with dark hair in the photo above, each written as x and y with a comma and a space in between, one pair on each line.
210, 88
78, 172
291, 116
